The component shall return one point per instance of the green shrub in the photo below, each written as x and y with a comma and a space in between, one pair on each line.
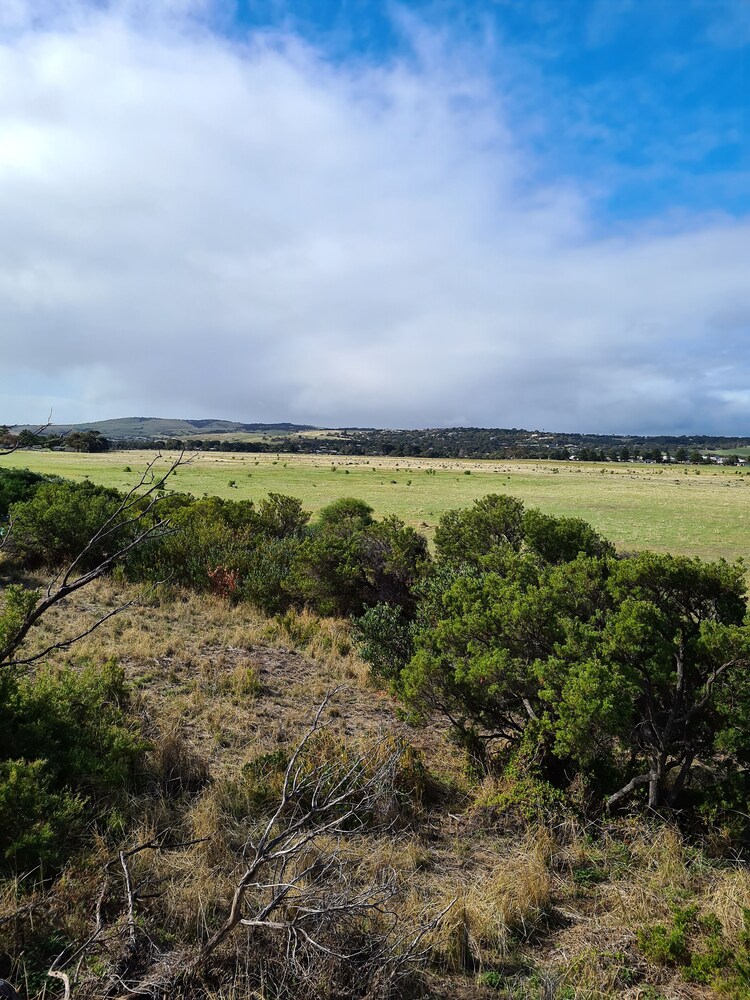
18, 485
664, 945
264, 573
35, 822
76, 720
384, 640
57, 523
69, 744
350, 561
698, 947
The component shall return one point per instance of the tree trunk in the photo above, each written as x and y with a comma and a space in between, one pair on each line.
681, 777
654, 791
656, 781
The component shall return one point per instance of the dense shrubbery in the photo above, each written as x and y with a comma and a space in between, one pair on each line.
532, 638
271, 556
17, 485
268, 554
68, 744
527, 632
54, 525
69, 752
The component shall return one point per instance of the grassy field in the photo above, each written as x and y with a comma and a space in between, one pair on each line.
703, 512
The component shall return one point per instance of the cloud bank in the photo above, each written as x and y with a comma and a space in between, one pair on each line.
196, 224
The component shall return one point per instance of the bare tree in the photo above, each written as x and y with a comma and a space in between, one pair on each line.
136, 519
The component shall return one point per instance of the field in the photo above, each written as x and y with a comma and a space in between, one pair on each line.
694, 511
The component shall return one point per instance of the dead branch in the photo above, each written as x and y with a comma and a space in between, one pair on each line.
137, 517
299, 887
39, 430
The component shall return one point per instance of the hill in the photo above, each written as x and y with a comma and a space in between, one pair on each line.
152, 428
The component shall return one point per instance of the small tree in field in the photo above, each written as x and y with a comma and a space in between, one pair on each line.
633, 672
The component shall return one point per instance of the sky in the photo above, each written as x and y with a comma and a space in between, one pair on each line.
508, 213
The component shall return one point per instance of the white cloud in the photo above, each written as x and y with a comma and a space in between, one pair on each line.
196, 226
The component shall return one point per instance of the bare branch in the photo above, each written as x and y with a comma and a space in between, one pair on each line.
38, 431
133, 511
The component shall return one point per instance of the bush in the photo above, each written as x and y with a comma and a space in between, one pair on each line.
56, 524
349, 561
35, 822
18, 485
227, 547
618, 672
68, 742
384, 640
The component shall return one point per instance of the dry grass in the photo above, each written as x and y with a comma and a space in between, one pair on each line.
220, 687
495, 907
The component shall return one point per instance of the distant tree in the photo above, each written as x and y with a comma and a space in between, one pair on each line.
88, 441
28, 439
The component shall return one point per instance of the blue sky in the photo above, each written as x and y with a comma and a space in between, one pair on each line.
648, 98
510, 213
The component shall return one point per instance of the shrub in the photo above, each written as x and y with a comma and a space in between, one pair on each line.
622, 671
384, 640
18, 485
68, 741
57, 523
35, 821
349, 561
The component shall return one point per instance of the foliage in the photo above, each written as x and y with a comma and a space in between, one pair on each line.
54, 526
698, 946
467, 536
17, 602
17, 485
88, 441
560, 539
530, 633
349, 561
68, 741
34, 820
384, 638
207, 534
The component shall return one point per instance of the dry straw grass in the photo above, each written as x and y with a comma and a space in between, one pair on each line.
219, 687
497, 905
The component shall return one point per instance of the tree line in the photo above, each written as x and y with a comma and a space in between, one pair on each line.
455, 443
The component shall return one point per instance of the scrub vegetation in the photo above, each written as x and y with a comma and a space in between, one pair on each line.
258, 750
690, 510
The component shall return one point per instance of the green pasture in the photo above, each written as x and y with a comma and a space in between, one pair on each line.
696, 511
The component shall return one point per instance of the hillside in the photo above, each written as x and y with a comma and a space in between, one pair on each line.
152, 428
543, 909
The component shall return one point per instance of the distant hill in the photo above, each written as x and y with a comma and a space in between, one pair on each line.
152, 428
441, 442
